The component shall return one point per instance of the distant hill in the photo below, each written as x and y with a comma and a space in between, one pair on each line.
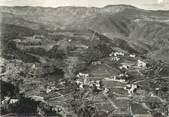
141, 30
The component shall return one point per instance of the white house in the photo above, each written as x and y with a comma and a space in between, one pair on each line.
82, 75
98, 84
132, 55
12, 101
118, 54
79, 83
115, 58
51, 88
124, 67
141, 63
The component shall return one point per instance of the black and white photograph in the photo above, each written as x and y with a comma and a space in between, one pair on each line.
84, 58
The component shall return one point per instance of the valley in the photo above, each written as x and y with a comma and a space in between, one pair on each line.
81, 62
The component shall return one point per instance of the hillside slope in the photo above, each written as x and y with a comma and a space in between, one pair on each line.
144, 31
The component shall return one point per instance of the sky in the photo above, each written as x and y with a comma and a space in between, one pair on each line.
144, 4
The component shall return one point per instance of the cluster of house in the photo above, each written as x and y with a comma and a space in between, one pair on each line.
118, 54
124, 66
84, 81
130, 88
94, 85
51, 88
141, 64
115, 79
8, 100
119, 78
115, 58
115, 55
122, 75
30, 40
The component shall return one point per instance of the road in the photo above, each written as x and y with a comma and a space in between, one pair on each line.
111, 102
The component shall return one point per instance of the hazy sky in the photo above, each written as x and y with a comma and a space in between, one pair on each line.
145, 4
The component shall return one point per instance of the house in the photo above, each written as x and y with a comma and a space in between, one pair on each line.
98, 84
51, 88
111, 54
69, 40
141, 63
79, 83
118, 54
132, 55
114, 79
12, 101
82, 75
115, 54
115, 58
105, 91
124, 66
122, 75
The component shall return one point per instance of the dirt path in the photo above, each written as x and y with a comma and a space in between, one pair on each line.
111, 102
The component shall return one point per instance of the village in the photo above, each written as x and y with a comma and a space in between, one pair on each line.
114, 85
116, 95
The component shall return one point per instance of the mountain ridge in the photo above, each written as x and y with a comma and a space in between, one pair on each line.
125, 22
